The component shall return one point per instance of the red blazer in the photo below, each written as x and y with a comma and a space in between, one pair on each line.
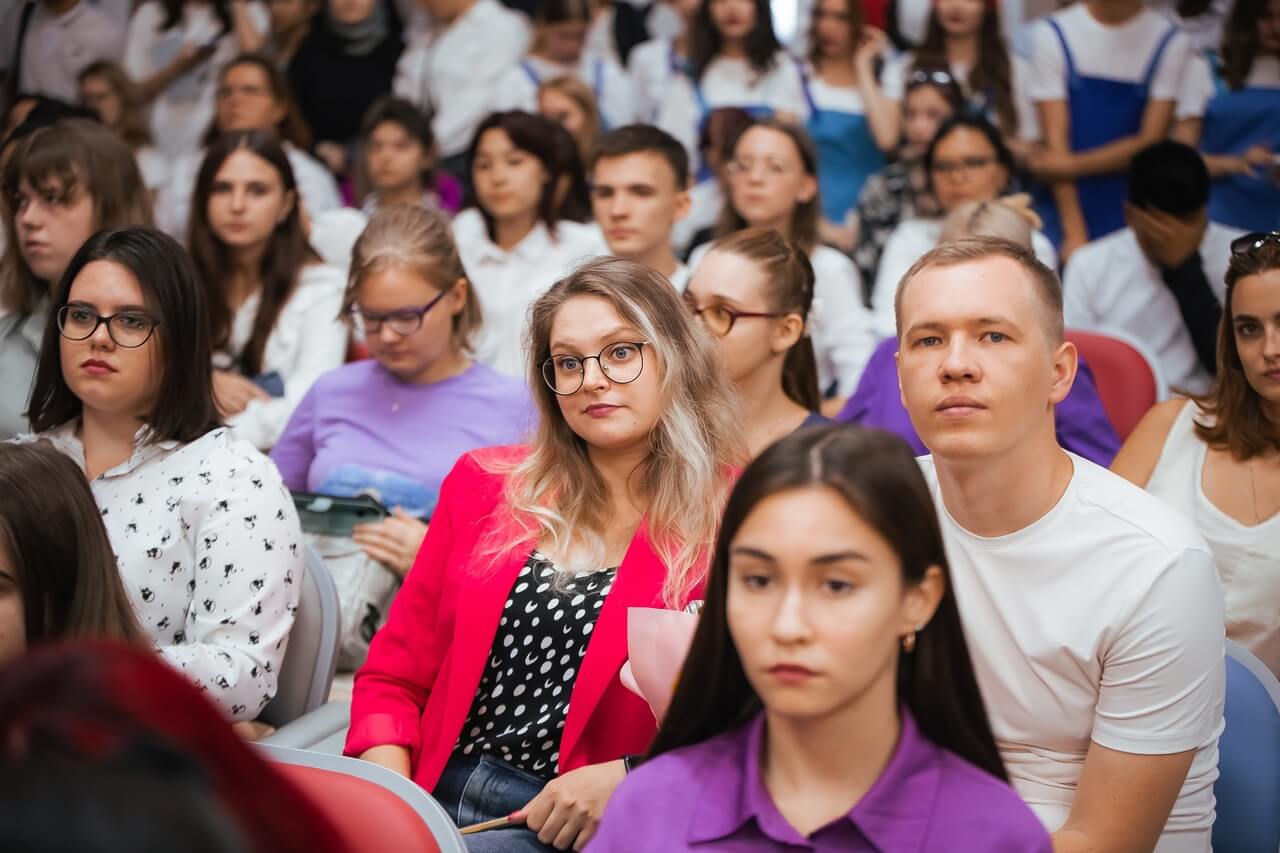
424, 666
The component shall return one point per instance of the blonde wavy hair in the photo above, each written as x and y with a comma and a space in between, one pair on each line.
695, 447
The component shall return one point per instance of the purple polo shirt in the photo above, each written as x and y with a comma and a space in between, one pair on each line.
711, 797
1081, 423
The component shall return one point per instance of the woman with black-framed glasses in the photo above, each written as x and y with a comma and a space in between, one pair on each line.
494, 683
393, 425
753, 291
204, 534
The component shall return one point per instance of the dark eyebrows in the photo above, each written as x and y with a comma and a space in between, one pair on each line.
821, 560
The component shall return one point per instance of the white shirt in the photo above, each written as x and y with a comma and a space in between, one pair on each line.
840, 325
1121, 52
507, 282
729, 83
680, 278
154, 168
1109, 283
1101, 621
897, 70
210, 553
307, 341
1248, 556
651, 73
182, 113
56, 48
615, 97
316, 187
905, 245
1205, 30
455, 71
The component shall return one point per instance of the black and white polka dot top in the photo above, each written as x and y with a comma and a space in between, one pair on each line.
521, 705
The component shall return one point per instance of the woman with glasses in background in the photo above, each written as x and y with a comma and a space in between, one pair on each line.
753, 291
966, 161
1217, 457
494, 683
204, 533
394, 425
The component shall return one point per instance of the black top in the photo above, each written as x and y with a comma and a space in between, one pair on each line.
520, 708
334, 89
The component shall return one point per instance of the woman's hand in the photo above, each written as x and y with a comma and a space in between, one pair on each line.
872, 44
393, 542
233, 392
252, 730
567, 811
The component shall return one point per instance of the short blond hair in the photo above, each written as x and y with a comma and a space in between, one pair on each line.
1044, 281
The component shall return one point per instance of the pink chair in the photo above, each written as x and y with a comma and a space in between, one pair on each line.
1128, 378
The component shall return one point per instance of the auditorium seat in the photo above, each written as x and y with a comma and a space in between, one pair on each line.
1129, 380
1248, 786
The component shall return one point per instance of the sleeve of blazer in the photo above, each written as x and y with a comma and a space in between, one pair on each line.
391, 689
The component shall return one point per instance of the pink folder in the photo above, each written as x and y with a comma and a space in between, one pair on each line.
657, 643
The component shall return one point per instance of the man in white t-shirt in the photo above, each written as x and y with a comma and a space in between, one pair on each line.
60, 39
453, 69
1092, 610
1161, 279
639, 190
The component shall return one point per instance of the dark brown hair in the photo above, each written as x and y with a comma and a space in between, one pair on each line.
790, 277
705, 43
171, 290
875, 473
857, 20
413, 121
64, 159
53, 536
1240, 45
410, 236
1048, 288
804, 218
991, 76
533, 134
292, 127
134, 128
644, 139
1240, 426
286, 254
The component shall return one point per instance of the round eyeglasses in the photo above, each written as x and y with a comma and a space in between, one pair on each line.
719, 319
620, 362
404, 321
128, 329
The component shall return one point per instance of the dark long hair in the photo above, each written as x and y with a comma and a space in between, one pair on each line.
804, 219
706, 43
533, 134
413, 121
53, 535
790, 277
857, 21
134, 128
1240, 41
292, 127
876, 474
287, 252
1240, 426
171, 289
991, 77
173, 14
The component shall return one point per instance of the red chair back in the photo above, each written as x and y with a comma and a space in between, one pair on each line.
1128, 382
371, 818
357, 350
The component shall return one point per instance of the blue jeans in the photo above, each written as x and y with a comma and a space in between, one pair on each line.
474, 789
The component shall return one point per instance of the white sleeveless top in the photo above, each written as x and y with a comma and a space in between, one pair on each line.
1248, 557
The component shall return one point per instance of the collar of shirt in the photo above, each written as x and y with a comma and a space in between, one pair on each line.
32, 328
535, 246
65, 439
894, 814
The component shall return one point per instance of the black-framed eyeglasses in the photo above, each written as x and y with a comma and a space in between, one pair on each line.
402, 321
965, 165
719, 319
128, 329
1252, 242
621, 362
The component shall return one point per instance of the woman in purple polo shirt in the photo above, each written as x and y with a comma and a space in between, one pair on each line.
828, 702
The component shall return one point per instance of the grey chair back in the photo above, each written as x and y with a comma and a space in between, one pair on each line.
312, 654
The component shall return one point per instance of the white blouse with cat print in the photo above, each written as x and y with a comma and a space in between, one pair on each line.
210, 552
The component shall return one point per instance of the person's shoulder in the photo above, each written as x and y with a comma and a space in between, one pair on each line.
1099, 254
356, 376
647, 53
1122, 511
993, 817
663, 785
320, 280
230, 459
147, 13
491, 13
468, 227
492, 383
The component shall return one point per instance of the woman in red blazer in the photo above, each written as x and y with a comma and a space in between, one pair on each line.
494, 683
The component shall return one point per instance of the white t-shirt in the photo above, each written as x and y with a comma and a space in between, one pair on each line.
730, 83
56, 48
905, 245
1248, 555
1204, 31
1122, 52
650, 68
182, 113
455, 71
154, 168
508, 281
615, 97
840, 325
1198, 87
308, 340
1101, 621
897, 70
1110, 284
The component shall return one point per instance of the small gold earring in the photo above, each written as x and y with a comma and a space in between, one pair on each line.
909, 640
